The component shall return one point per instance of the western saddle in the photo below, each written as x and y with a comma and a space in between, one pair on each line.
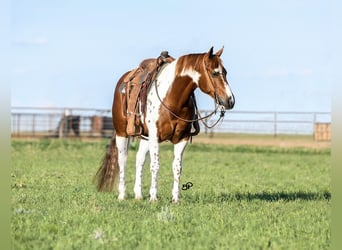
136, 85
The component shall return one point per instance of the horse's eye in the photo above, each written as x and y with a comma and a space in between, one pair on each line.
216, 72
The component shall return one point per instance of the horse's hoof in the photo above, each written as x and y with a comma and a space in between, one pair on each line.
121, 198
153, 199
138, 197
175, 201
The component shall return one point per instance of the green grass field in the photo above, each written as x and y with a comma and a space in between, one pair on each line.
243, 197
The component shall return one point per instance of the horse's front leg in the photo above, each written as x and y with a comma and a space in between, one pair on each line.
122, 145
139, 164
177, 168
154, 167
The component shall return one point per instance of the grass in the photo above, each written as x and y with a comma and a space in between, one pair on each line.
243, 197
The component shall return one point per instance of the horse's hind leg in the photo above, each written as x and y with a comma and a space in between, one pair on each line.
177, 168
140, 161
122, 145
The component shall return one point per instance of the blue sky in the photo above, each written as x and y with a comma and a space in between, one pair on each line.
70, 53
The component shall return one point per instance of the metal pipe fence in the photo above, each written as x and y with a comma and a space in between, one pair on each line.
66, 122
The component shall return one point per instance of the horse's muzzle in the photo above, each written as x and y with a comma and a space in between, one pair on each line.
228, 102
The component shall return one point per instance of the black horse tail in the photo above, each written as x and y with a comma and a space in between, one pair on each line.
109, 168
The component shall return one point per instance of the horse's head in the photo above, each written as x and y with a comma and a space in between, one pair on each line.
214, 81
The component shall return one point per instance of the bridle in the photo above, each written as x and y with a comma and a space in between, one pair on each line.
197, 113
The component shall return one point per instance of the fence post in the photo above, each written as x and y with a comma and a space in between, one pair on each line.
34, 124
18, 125
314, 121
275, 124
61, 127
50, 122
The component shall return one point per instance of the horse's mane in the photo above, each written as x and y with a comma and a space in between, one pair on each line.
191, 60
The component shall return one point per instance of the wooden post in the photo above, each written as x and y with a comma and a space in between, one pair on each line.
33, 124
18, 125
322, 132
275, 124
96, 125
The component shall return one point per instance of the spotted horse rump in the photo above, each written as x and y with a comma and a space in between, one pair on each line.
170, 114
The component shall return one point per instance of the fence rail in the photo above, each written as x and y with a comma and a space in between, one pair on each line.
61, 122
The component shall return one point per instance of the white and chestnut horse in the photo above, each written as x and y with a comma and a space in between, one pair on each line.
170, 110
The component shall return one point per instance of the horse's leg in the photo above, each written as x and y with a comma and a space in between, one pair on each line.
154, 167
140, 161
177, 168
122, 145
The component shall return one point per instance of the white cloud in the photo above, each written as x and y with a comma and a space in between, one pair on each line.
39, 40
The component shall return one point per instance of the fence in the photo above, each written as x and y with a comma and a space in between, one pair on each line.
62, 122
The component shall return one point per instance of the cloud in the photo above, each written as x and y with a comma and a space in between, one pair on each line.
40, 40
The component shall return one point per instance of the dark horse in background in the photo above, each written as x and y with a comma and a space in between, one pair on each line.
170, 110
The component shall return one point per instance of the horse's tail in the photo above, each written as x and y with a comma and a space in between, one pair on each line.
109, 168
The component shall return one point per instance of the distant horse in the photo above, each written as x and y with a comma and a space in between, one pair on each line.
170, 111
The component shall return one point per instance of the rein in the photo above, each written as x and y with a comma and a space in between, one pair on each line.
197, 111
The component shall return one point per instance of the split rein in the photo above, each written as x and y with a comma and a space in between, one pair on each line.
198, 114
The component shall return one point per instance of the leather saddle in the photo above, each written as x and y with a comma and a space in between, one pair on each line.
136, 84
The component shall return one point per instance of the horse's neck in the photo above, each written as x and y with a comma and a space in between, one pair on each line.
181, 91
187, 76
178, 80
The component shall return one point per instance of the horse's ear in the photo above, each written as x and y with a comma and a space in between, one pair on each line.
219, 53
210, 52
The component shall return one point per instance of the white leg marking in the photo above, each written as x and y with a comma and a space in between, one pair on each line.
177, 168
122, 145
139, 164
154, 155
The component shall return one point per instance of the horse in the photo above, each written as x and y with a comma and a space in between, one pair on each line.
170, 111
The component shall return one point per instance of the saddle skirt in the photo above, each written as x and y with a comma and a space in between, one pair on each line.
136, 85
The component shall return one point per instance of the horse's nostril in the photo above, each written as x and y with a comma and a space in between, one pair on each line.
224, 102
231, 101
227, 102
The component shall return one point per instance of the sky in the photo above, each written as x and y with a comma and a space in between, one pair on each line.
70, 53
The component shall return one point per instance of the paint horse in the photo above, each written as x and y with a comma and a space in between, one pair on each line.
170, 111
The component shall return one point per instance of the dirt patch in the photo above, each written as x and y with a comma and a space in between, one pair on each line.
265, 141
229, 139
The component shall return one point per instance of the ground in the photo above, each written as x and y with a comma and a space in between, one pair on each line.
283, 141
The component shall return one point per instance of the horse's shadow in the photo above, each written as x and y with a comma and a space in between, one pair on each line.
262, 196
